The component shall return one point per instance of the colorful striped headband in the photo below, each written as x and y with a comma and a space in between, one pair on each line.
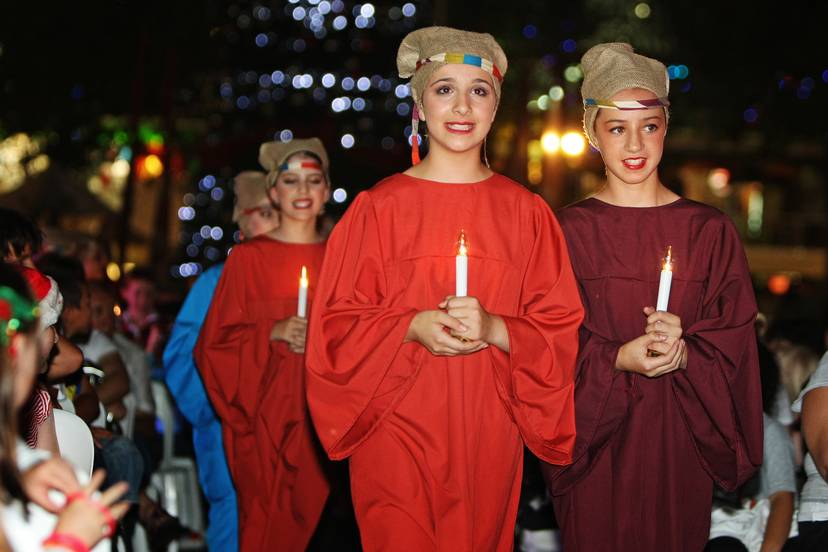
465, 59
298, 165
626, 105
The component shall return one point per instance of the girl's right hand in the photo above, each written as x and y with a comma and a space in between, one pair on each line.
633, 356
293, 331
429, 329
87, 517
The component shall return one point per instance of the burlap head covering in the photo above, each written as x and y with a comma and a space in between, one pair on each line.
612, 67
424, 51
273, 154
250, 188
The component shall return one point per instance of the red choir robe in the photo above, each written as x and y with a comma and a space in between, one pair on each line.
257, 388
649, 450
436, 443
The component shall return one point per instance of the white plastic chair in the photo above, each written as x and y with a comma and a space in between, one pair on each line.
176, 479
75, 441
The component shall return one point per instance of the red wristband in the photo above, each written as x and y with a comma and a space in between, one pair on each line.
109, 520
67, 541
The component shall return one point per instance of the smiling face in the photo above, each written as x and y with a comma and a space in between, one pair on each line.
300, 192
631, 141
460, 105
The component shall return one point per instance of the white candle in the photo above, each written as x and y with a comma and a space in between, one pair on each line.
302, 307
665, 282
461, 268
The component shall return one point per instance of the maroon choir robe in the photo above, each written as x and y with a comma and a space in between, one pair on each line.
649, 450
435, 442
257, 388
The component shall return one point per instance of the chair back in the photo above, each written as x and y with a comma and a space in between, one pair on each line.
75, 441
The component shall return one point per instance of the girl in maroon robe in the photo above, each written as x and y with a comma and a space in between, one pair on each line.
434, 422
668, 403
251, 356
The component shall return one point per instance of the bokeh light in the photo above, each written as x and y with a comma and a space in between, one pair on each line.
573, 143
551, 142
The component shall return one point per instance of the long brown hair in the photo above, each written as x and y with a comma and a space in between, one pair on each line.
10, 480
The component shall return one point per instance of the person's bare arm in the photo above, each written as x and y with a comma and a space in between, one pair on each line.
47, 436
115, 384
86, 401
815, 427
779, 521
65, 362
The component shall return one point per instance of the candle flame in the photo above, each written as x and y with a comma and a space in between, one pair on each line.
303, 279
462, 250
668, 260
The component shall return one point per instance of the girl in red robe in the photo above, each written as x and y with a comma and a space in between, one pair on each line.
668, 402
431, 394
250, 355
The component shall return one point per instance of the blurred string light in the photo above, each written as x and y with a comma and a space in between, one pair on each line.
347, 141
573, 73
340, 195
642, 10
20, 156
569, 45
751, 115
530, 31
556, 93
679, 72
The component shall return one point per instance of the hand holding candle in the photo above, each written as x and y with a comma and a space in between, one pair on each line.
302, 306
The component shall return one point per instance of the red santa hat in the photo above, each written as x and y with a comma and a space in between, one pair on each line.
47, 294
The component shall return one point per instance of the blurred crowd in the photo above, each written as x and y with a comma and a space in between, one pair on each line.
100, 347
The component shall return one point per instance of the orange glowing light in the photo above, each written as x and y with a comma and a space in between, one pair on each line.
779, 284
462, 249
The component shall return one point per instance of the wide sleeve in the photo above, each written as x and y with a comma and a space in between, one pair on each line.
223, 347
180, 372
719, 393
358, 368
535, 378
602, 400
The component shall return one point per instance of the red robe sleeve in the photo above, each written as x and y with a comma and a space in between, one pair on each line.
536, 376
356, 372
224, 346
719, 393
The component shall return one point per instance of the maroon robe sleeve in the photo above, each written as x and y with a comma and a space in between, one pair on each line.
719, 393
358, 368
536, 376
220, 352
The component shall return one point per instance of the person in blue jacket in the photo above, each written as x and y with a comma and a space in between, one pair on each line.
254, 215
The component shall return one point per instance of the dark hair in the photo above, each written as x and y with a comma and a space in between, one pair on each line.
10, 479
17, 231
68, 273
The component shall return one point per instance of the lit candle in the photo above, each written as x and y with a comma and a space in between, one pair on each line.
666, 281
461, 268
302, 307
